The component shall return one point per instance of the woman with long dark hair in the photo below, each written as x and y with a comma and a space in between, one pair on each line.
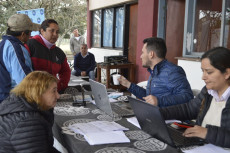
211, 108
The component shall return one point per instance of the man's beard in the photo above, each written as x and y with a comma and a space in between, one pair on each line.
147, 64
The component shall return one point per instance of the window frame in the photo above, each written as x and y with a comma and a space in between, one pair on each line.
189, 27
125, 28
92, 27
161, 23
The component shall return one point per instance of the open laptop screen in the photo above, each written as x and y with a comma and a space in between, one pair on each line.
150, 120
101, 97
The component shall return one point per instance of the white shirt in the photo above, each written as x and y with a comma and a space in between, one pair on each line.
85, 55
47, 43
213, 115
77, 38
224, 96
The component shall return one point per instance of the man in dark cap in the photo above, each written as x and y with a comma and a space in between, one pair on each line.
15, 61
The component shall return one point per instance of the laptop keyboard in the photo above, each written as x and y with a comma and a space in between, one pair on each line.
121, 111
182, 141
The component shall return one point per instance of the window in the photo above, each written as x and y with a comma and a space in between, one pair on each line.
226, 24
161, 23
119, 27
203, 26
207, 28
96, 37
108, 27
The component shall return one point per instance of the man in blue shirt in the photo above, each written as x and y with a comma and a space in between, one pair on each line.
167, 84
84, 63
15, 61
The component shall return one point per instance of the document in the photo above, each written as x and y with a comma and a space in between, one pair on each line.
75, 82
134, 121
80, 98
110, 100
96, 126
115, 95
172, 121
209, 148
101, 132
106, 137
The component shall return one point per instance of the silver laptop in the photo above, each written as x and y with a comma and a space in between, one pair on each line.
152, 122
101, 98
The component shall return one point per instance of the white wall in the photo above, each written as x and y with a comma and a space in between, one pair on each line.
100, 53
97, 4
193, 72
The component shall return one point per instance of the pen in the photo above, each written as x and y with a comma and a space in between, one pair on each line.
183, 125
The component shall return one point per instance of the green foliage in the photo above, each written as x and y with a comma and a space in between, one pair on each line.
69, 14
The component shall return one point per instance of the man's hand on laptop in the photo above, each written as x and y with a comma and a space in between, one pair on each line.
151, 99
123, 81
196, 131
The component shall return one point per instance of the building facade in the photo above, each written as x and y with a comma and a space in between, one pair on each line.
189, 27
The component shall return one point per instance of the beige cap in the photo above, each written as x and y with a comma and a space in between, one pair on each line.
21, 22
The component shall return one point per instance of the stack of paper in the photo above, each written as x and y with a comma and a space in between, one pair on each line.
101, 132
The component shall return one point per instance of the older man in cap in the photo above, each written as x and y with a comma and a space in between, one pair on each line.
15, 61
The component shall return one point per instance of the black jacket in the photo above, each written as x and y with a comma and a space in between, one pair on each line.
24, 128
219, 136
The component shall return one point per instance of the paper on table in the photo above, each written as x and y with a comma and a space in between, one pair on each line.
106, 137
210, 148
93, 102
80, 98
134, 121
79, 80
96, 127
115, 94
110, 100
172, 121
101, 132
108, 126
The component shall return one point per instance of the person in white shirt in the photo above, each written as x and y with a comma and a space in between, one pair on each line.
211, 108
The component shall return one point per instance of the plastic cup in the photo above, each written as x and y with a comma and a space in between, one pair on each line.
115, 79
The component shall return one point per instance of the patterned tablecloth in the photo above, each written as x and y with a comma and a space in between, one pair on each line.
66, 114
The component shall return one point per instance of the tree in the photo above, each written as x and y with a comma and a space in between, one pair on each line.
69, 14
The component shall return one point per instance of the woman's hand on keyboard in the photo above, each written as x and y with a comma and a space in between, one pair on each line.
196, 131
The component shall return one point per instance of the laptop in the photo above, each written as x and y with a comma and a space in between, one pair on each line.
152, 122
117, 109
